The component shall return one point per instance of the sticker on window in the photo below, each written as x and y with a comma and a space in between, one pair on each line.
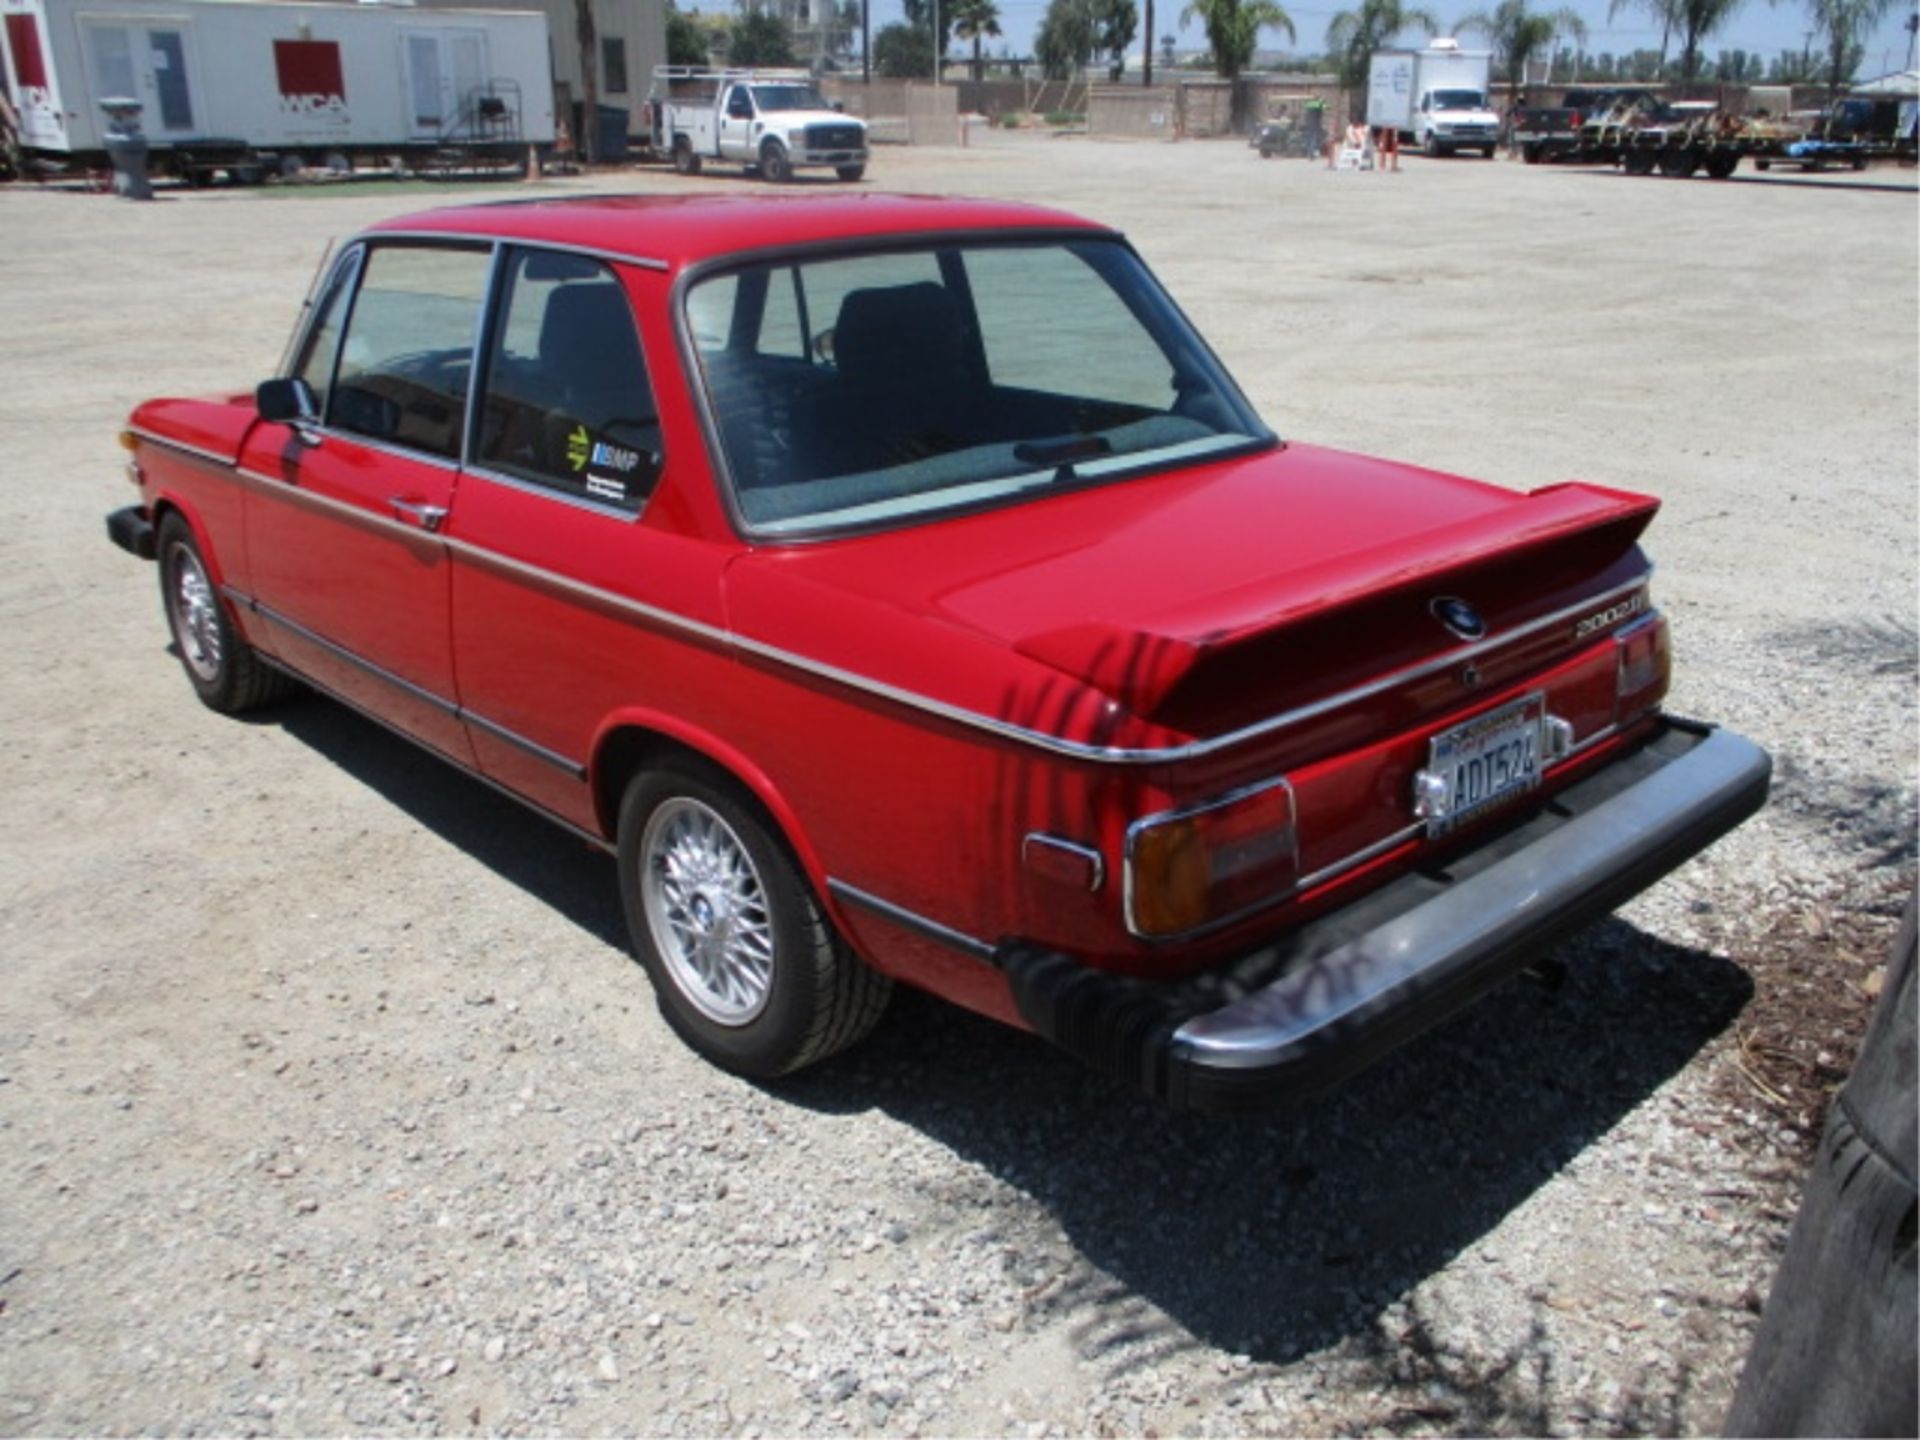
584, 452
605, 488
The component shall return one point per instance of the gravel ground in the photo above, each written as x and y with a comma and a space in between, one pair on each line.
330, 1099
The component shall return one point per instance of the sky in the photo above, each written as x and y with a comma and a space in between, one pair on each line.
1756, 26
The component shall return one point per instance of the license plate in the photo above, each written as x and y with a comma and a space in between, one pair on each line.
1486, 761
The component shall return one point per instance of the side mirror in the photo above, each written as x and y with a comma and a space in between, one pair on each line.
290, 402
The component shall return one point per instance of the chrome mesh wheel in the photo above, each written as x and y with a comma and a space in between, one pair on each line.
195, 612
706, 909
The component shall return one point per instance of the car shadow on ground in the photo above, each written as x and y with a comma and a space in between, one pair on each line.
1270, 1236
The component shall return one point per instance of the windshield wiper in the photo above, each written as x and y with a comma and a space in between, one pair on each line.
1062, 452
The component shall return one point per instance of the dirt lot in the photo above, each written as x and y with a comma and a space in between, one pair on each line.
330, 1099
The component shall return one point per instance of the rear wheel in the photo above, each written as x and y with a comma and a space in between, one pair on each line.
1679, 164
850, 173
745, 965
1637, 162
1532, 154
684, 160
224, 670
775, 164
1720, 167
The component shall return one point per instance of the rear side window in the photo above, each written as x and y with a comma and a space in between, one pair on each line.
567, 402
408, 349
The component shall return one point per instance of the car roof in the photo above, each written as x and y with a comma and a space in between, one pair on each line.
678, 230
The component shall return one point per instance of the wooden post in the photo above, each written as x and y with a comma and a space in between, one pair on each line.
1835, 1350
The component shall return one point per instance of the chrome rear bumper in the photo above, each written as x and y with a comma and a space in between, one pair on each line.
1352, 985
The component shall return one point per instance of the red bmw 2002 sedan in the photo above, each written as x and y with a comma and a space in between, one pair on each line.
904, 592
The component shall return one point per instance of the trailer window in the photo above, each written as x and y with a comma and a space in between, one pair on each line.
566, 402
408, 349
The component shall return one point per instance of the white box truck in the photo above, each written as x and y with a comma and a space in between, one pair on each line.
1437, 98
242, 85
775, 121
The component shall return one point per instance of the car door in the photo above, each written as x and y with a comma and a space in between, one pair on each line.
736, 124
345, 517
566, 454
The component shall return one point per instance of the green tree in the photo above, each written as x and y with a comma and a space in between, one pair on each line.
1517, 33
1667, 12
1696, 20
1354, 35
975, 20
1115, 23
903, 52
686, 41
1233, 30
1844, 26
1066, 39
761, 37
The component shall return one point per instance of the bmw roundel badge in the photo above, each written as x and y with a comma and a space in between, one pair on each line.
1459, 617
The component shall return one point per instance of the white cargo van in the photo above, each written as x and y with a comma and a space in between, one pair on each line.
1437, 98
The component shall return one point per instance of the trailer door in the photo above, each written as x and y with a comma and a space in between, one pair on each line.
151, 63
446, 71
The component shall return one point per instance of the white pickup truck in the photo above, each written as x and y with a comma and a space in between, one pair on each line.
772, 120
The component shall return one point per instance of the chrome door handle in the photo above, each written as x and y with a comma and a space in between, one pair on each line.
427, 517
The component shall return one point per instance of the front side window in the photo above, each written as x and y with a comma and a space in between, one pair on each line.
408, 348
882, 389
566, 402
323, 339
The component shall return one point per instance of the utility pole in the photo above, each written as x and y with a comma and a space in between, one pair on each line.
1913, 33
937, 47
866, 47
1146, 50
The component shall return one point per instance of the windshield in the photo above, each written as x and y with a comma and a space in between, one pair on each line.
788, 97
881, 389
1459, 100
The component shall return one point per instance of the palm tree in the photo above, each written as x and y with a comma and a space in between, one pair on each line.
1696, 20
975, 20
1667, 12
1233, 27
1516, 33
1842, 25
1355, 34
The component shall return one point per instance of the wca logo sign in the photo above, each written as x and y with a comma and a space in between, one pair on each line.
333, 107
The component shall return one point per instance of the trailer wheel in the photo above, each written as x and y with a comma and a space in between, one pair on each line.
685, 162
774, 163
1637, 162
1720, 167
1763, 164
1679, 164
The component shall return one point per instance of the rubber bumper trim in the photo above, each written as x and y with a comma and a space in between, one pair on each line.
132, 531
1426, 944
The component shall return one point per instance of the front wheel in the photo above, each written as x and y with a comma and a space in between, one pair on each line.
225, 672
1437, 150
850, 173
746, 967
775, 164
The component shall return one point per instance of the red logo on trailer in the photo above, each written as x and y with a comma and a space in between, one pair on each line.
29, 63
311, 81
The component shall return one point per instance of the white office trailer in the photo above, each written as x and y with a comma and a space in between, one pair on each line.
243, 85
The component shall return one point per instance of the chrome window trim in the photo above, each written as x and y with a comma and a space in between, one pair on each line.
494, 237
550, 492
694, 372
1084, 852
1182, 812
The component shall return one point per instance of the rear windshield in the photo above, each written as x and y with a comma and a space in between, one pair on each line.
884, 389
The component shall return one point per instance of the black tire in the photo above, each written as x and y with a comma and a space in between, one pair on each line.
223, 669
816, 997
1532, 154
1721, 167
851, 173
1678, 164
684, 160
774, 163
1437, 150
1638, 162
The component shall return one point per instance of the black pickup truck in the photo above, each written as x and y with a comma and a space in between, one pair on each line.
1552, 132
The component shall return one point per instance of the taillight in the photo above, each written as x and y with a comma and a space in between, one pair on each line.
1192, 869
1576, 121
1645, 658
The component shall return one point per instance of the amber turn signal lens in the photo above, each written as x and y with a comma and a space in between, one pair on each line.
129, 441
1196, 868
